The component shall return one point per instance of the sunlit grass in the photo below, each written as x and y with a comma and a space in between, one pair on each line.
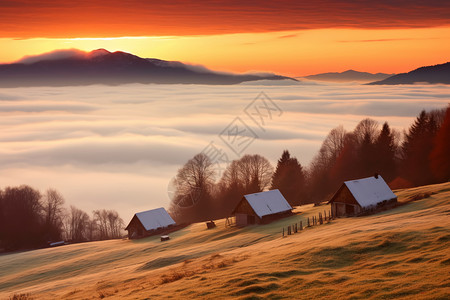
401, 253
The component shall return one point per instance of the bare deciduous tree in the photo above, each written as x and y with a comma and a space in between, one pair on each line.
193, 187
115, 224
53, 207
334, 143
255, 172
108, 223
101, 220
78, 222
366, 129
231, 176
194, 181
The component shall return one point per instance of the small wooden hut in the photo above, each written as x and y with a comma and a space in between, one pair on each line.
149, 222
360, 196
261, 208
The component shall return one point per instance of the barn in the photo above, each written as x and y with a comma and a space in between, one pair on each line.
360, 196
260, 208
149, 222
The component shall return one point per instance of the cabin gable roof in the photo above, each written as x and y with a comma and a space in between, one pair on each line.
153, 219
368, 191
267, 203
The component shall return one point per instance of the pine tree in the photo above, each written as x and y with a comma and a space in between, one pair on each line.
289, 178
278, 175
417, 148
384, 154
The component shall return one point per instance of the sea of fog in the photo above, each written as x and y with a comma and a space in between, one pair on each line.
117, 147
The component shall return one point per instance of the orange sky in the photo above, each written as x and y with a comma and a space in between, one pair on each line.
288, 37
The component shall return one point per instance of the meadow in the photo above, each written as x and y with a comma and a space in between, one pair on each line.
400, 253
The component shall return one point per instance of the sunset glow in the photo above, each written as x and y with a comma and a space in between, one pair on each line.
286, 37
293, 53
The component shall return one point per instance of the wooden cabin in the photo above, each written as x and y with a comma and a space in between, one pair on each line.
148, 223
260, 208
361, 196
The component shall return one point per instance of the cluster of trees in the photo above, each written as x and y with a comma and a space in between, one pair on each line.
349, 155
415, 157
29, 219
199, 197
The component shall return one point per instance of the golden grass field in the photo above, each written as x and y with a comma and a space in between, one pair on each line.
403, 253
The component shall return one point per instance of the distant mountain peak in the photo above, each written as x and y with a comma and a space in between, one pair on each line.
98, 52
348, 76
75, 67
430, 74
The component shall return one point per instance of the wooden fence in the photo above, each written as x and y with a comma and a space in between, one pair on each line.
310, 222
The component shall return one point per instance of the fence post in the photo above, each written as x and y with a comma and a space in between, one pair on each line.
320, 218
308, 223
301, 225
283, 231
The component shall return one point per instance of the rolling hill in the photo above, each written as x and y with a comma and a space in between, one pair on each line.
400, 253
75, 68
349, 75
430, 74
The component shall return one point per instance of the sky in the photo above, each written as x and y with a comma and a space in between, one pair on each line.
292, 38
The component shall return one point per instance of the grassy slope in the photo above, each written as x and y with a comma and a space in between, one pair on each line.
401, 253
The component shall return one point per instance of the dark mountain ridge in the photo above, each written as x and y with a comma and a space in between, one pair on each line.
349, 75
113, 68
429, 74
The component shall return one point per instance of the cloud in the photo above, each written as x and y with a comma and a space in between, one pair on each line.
101, 146
54, 18
25, 106
385, 40
288, 36
106, 151
7, 97
53, 55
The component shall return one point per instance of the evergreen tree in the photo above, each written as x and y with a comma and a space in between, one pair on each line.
417, 148
289, 178
278, 175
384, 154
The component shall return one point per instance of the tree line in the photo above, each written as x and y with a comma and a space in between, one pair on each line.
29, 219
417, 156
